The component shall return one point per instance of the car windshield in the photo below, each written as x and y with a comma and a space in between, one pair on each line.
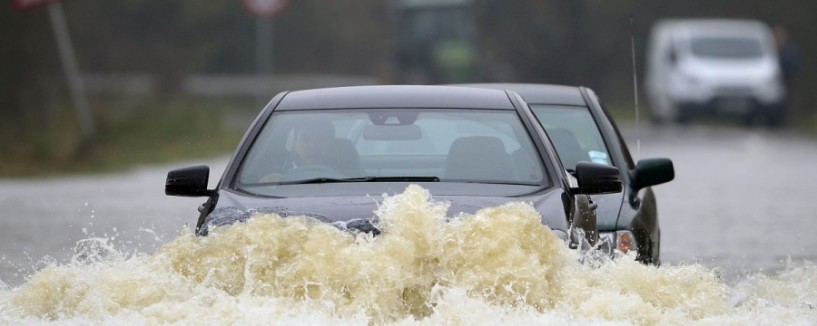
574, 134
371, 145
726, 47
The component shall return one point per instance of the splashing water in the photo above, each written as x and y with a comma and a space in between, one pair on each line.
498, 266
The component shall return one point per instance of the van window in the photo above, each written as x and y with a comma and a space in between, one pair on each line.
726, 47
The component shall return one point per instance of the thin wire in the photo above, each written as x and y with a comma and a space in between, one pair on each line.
635, 90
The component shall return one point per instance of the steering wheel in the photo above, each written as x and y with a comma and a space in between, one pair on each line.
310, 172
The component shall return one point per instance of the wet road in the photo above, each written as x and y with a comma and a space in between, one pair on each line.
41, 220
742, 200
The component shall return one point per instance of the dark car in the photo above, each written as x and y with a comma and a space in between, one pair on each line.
321, 152
582, 130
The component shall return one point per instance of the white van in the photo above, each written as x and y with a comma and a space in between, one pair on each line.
720, 66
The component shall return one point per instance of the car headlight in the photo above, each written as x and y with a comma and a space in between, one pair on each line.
621, 241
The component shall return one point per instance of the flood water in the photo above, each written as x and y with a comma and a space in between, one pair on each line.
742, 199
735, 244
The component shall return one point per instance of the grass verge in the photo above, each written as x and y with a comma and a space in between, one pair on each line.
127, 134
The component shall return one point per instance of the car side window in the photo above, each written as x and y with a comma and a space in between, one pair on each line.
622, 144
574, 133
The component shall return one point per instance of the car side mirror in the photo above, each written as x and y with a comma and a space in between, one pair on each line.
188, 182
651, 172
596, 178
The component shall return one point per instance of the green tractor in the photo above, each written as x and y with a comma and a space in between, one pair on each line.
435, 42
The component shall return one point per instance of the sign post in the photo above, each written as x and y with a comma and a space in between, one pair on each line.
69, 63
263, 55
264, 10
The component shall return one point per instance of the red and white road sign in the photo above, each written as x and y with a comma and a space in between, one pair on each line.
265, 8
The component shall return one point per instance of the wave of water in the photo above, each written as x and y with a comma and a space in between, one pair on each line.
499, 266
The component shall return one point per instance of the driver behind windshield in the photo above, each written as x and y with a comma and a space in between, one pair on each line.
310, 146
311, 143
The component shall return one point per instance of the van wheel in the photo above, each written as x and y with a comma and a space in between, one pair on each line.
776, 118
655, 119
775, 122
678, 113
661, 111
749, 119
681, 116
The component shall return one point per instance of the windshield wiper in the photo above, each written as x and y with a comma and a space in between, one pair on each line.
364, 179
402, 179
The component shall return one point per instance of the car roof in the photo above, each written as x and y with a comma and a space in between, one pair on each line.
716, 25
395, 96
540, 93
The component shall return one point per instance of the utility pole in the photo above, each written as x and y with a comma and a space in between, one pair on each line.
69, 65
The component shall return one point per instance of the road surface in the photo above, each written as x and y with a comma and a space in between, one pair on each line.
742, 200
